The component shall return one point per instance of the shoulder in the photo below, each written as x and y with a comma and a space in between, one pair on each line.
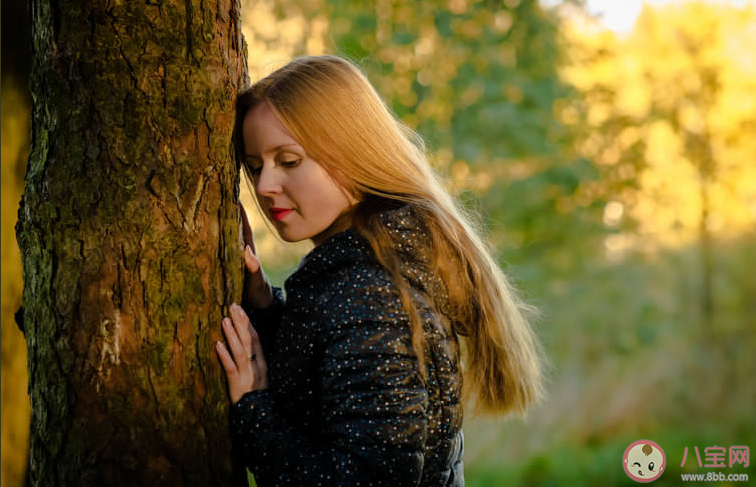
359, 292
362, 315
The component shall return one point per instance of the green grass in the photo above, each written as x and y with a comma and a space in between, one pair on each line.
632, 359
600, 464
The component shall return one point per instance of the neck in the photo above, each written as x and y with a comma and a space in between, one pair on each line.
341, 223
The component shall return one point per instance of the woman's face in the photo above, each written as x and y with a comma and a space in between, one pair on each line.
295, 192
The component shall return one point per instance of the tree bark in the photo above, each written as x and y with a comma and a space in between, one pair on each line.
130, 240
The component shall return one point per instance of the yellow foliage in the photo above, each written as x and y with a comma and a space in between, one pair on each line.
15, 401
682, 84
272, 41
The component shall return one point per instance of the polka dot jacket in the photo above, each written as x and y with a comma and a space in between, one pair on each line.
346, 404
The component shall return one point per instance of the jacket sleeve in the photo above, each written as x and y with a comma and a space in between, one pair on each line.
373, 407
267, 320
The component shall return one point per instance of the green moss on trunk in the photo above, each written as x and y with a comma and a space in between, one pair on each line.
130, 241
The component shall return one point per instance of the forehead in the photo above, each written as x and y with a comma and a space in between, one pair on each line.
263, 131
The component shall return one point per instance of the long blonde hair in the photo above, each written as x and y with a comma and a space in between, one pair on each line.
333, 111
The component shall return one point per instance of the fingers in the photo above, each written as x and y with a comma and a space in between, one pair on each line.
251, 260
244, 341
228, 363
247, 229
257, 288
236, 386
244, 374
234, 342
242, 327
258, 291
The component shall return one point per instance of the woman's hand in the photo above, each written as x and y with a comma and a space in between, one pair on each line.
245, 365
258, 291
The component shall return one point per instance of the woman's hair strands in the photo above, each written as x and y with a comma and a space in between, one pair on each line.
333, 111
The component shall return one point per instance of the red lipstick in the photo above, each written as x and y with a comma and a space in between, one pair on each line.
279, 213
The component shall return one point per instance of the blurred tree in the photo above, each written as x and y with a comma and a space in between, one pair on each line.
672, 131
129, 235
479, 80
14, 119
14, 114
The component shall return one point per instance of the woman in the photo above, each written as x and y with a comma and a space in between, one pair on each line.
355, 378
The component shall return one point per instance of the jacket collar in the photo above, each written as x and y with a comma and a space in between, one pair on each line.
349, 247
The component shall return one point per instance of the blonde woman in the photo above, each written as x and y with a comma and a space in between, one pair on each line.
355, 377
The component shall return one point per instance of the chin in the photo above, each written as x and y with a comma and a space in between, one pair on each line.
290, 238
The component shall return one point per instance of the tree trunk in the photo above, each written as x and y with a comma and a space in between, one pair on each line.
130, 240
707, 252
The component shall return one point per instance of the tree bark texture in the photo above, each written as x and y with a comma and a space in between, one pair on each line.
130, 239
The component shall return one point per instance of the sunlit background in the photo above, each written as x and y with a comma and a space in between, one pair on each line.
610, 149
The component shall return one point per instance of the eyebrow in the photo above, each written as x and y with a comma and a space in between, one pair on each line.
275, 149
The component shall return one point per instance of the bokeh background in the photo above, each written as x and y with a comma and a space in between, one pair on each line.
610, 148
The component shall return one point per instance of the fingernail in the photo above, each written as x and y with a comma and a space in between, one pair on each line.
248, 256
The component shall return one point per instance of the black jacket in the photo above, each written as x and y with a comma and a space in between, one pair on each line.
347, 404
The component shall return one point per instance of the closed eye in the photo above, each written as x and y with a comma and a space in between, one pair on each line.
636, 463
256, 170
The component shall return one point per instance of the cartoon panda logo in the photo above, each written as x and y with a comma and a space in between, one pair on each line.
644, 461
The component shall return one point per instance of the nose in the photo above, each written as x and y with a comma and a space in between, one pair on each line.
268, 182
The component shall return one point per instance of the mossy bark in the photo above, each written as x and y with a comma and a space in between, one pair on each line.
130, 239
